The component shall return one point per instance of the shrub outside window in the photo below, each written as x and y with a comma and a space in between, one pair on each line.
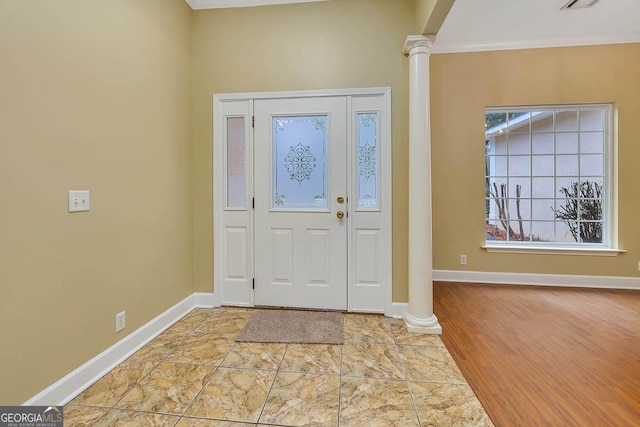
547, 179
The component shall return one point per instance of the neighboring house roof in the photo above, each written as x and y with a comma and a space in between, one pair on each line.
515, 123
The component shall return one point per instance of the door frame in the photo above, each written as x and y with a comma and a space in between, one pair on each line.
237, 289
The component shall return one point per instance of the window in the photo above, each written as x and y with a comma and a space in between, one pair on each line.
547, 180
368, 161
236, 193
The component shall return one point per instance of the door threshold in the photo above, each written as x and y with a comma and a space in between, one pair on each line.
271, 307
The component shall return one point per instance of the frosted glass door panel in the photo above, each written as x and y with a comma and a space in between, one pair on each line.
368, 161
300, 163
235, 163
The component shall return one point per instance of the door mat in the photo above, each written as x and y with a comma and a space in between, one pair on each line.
293, 326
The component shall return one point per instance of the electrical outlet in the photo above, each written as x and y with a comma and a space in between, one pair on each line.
120, 321
78, 201
463, 259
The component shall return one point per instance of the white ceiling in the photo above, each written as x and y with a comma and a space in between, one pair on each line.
218, 4
474, 25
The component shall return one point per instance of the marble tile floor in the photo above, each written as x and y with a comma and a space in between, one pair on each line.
195, 374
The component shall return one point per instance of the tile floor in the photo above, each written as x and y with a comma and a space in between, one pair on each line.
195, 374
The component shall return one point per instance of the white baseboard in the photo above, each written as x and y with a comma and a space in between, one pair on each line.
398, 309
206, 300
565, 280
74, 383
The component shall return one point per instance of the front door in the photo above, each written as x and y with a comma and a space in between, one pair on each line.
300, 155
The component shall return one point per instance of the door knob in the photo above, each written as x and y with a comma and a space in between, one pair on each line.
340, 214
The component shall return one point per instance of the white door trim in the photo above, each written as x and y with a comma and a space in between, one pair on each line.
238, 290
373, 91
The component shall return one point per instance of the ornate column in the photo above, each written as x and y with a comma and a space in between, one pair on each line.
420, 317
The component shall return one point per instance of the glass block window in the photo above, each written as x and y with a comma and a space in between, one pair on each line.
368, 165
547, 175
299, 163
236, 191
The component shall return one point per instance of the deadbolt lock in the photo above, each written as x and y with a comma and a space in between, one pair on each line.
340, 199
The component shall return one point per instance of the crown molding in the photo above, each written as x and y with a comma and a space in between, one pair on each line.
219, 4
583, 40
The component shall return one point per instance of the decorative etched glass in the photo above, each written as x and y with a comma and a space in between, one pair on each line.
368, 161
300, 162
235, 163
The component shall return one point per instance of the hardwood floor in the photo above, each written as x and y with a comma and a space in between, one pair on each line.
539, 356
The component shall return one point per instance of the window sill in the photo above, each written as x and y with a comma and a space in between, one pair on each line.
552, 250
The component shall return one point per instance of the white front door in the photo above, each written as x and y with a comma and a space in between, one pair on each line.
300, 154
307, 150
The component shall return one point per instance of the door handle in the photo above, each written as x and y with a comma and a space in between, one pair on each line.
340, 214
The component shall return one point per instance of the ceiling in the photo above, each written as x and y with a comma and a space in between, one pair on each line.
218, 4
474, 25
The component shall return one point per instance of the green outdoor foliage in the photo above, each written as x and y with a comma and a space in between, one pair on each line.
582, 211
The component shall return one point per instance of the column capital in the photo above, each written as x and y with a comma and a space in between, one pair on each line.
423, 43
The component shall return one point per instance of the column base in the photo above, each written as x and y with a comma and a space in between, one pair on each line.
422, 326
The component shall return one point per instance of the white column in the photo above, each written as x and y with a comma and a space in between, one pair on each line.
420, 317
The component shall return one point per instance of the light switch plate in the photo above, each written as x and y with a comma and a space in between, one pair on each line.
79, 201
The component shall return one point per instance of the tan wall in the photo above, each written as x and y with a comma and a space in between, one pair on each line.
430, 14
97, 96
424, 8
464, 84
324, 45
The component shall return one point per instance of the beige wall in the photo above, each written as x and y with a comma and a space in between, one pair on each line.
430, 14
98, 96
324, 45
464, 84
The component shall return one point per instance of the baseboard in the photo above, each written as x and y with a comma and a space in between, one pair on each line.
75, 382
564, 280
206, 300
398, 309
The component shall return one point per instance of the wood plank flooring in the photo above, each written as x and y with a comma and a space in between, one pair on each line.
540, 356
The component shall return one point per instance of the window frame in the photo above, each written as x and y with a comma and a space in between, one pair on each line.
609, 241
